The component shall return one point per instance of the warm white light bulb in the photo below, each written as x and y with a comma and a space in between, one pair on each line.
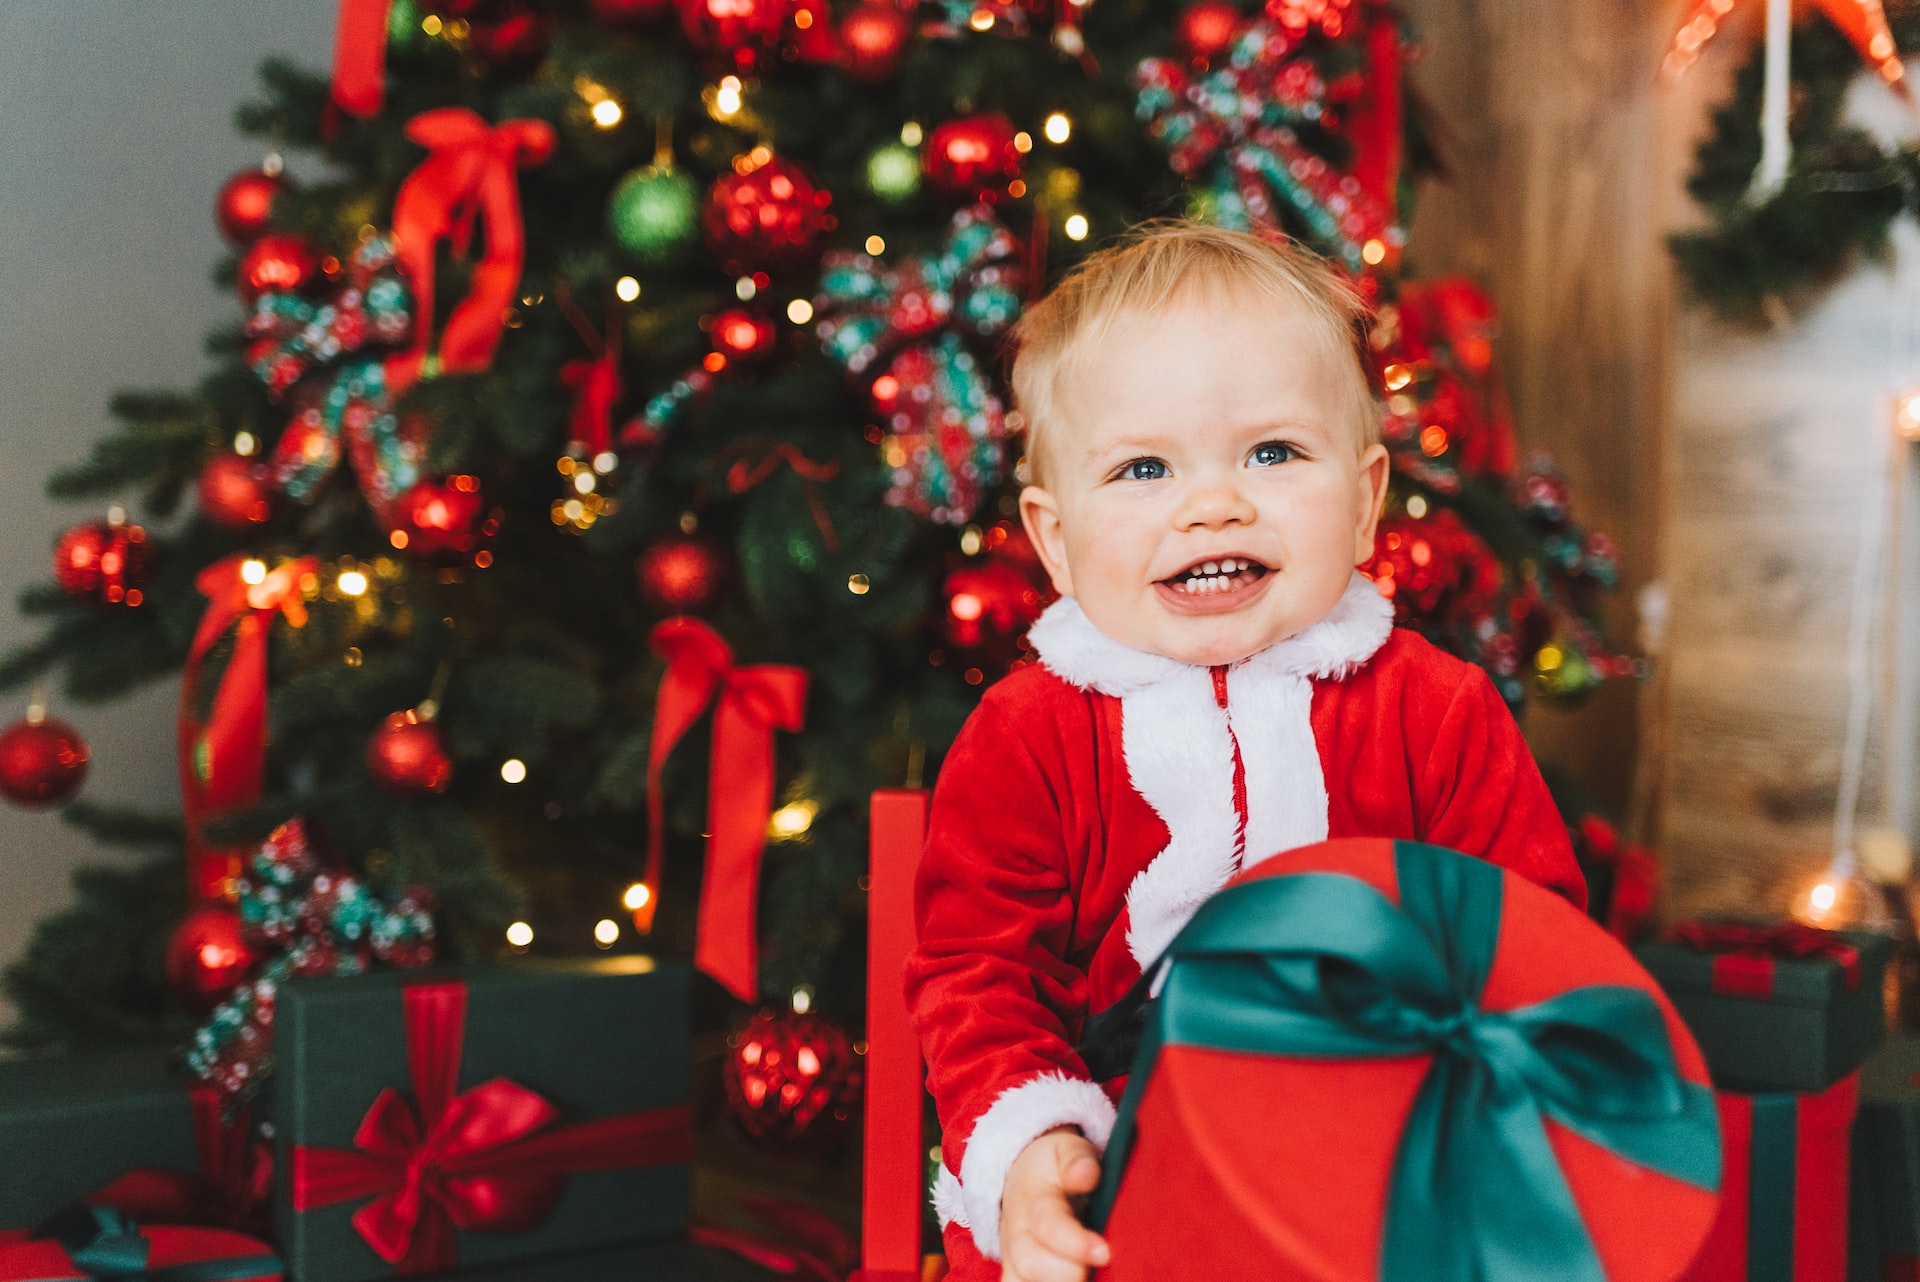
352, 582
1057, 128
626, 289
519, 934
253, 570
637, 897
513, 770
1077, 227
607, 113
605, 932
800, 311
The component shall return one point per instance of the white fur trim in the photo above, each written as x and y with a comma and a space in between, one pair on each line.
1021, 1115
1179, 746
949, 1202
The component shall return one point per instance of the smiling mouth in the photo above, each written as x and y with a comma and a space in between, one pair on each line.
1224, 574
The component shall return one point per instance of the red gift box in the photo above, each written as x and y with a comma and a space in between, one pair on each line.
96, 1242
1784, 1213
1494, 1009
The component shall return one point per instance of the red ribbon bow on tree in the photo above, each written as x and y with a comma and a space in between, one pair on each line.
470, 170
223, 760
1745, 954
750, 703
230, 1190
488, 1159
360, 56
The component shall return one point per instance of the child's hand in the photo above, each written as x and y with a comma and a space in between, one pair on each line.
1040, 1240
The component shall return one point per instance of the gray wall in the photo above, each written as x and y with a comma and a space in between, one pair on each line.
115, 132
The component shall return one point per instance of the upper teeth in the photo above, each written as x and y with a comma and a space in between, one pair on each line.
1226, 566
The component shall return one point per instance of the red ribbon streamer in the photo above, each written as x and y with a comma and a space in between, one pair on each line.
360, 56
223, 761
749, 704
596, 388
1376, 124
489, 1159
230, 1190
1744, 955
470, 170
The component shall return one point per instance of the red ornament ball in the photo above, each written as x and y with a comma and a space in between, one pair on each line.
1206, 28
681, 574
873, 42
972, 158
245, 203
279, 264
234, 492
207, 958
742, 34
407, 756
744, 337
102, 561
41, 762
792, 1081
769, 219
626, 15
442, 522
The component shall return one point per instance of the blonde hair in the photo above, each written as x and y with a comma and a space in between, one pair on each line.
1147, 269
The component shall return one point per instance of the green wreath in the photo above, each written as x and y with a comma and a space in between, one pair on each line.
1842, 193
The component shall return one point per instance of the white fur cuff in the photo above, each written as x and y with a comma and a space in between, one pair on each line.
1021, 1115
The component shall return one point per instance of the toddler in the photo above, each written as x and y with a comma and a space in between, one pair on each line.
1215, 686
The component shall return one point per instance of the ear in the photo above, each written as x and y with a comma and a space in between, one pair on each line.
1040, 513
1370, 495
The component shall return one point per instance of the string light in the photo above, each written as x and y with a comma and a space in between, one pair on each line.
519, 934
1057, 128
607, 113
605, 932
351, 582
584, 481
800, 311
911, 133
513, 770
253, 571
970, 541
1416, 507
982, 20
626, 289
1077, 227
744, 289
792, 820
637, 897
858, 584
244, 444
1906, 415
431, 24
802, 1002
876, 245
726, 97
1373, 253
1023, 142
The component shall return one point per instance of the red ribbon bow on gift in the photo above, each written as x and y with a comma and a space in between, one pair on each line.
223, 760
469, 171
1745, 954
230, 1190
750, 703
488, 1159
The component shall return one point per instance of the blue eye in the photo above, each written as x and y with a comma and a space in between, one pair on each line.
1271, 454
1144, 469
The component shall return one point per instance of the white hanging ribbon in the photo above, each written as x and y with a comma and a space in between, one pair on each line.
1776, 148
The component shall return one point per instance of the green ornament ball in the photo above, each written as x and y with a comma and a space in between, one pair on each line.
403, 23
893, 172
654, 212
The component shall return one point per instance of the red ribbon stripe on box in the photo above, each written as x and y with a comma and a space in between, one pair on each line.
223, 760
469, 172
230, 1190
749, 704
1745, 955
489, 1159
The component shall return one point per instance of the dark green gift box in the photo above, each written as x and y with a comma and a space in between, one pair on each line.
369, 1064
1778, 1024
674, 1260
1885, 1215
70, 1125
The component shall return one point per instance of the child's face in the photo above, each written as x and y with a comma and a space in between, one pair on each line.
1205, 493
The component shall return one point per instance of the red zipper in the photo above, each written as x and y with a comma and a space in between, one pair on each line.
1239, 769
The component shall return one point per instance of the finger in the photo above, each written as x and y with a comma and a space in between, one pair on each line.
1054, 1228
1081, 1174
1028, 1261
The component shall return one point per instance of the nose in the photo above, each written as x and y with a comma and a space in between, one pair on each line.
1213, 502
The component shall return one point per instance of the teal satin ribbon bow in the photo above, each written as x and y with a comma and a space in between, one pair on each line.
104, 1244
1319, 965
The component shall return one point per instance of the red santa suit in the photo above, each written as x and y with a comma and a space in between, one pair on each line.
1094, 800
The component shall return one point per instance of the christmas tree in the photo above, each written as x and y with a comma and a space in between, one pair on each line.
605, 482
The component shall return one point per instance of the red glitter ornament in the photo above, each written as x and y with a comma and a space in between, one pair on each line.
873, 42
103, 561
207, 958
1432, 566
681, 574
245, 203
744, 337
1205, 28
743, 34
793, 1081
234, 492
42, 761
768, 219
442, 522
279, 263
973, 158
407, 756
626, 15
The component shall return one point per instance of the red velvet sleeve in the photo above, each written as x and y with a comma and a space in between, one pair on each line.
1480, 791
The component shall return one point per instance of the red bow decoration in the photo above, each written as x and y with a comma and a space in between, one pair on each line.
230, 1190
360, 56
750, 703
223, 760
489, 1159
596, 388
469, 171
1745, 954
